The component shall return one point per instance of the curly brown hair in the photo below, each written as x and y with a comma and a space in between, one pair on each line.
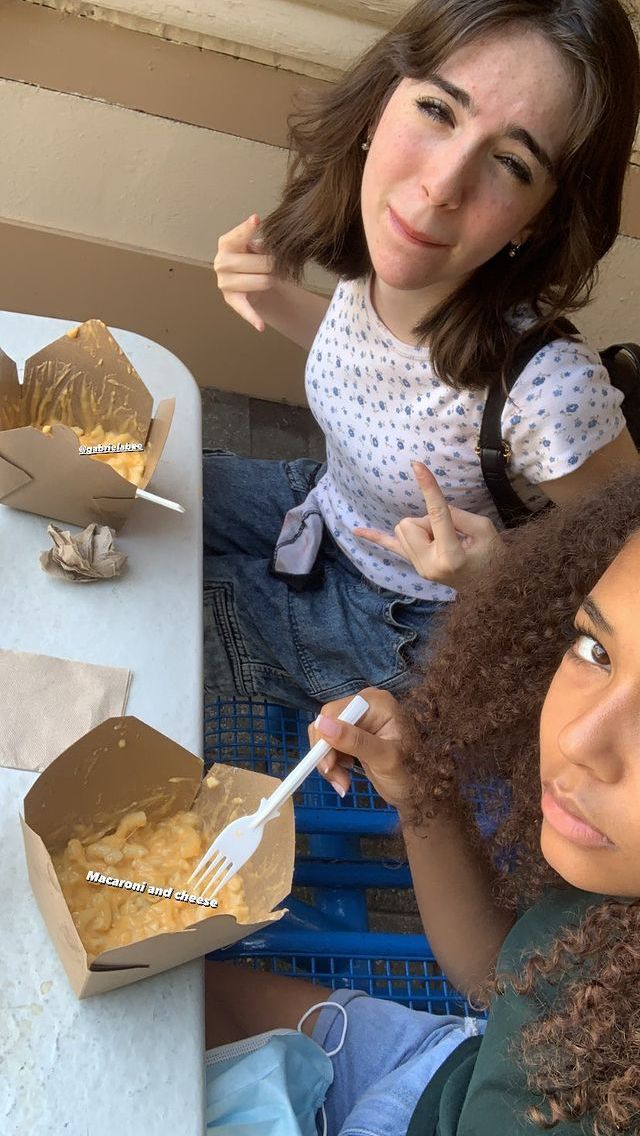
470, 335
472, 718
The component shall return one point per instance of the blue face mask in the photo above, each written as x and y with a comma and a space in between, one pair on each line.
272, 1085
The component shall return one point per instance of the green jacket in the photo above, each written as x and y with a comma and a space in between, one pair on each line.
481, 1090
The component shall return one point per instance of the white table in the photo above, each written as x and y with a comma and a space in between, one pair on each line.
132, 1060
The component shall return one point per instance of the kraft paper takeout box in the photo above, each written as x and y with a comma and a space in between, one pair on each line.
90, 786
83, 379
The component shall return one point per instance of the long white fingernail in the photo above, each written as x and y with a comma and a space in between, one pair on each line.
324, 768
338, 788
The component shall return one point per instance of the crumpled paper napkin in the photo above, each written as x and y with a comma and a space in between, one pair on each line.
86, 556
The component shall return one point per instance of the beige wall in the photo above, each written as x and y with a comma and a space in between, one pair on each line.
112, 174
125, 157
126, 154
309, 37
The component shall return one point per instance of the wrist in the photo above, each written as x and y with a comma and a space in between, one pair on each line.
413, 825
396, 794
409, 825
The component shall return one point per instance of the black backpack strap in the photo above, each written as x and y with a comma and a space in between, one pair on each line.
493, 451
495, 454
622, 361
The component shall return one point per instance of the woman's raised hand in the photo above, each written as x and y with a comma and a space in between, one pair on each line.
242, 270
375, 741
449, 546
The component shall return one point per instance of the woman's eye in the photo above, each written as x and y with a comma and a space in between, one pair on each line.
589, 650
435, 109
516, 168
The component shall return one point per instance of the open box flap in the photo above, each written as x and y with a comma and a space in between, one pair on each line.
85, 381
178, 948
11, 412
11, 478
157, 437
173, 947
267, 875
48, 893
122, 764
111, 511
42, 459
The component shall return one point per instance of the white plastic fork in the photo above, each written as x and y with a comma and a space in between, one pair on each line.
239, 840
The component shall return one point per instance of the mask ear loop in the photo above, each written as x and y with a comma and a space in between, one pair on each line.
332, 1052
334, 1006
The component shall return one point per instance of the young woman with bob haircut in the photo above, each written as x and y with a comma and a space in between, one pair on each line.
463, 179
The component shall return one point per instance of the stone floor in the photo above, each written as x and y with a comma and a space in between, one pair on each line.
259, 429
256, 428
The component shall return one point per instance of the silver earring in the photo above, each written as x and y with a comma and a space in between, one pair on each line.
514, 249
365, 145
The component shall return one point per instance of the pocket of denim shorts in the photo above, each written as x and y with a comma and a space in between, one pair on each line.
225, 657
407, 635
379, 655
303, 474
233, 658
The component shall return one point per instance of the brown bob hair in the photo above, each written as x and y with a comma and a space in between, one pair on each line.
470, 337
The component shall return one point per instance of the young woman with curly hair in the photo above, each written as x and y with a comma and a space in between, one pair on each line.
464, 179
532, 690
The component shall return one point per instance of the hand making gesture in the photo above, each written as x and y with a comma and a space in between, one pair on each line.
242, 269
448, 545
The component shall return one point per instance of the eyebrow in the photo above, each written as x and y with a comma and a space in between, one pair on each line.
595, 615
519, 134
460, 96
513, 131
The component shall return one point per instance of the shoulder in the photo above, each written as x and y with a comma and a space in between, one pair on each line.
347, 309
564, 351
565, 387
351, 291
561, 361
539, 925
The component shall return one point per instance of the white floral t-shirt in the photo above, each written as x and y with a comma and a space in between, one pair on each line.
380, 407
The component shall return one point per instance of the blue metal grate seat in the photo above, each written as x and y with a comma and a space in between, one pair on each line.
398, 967
328, 941
271, 739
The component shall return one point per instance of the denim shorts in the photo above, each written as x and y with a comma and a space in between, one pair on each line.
264, 639
389, 1056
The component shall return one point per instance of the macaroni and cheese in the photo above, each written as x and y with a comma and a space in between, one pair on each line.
161, 855
128, 463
